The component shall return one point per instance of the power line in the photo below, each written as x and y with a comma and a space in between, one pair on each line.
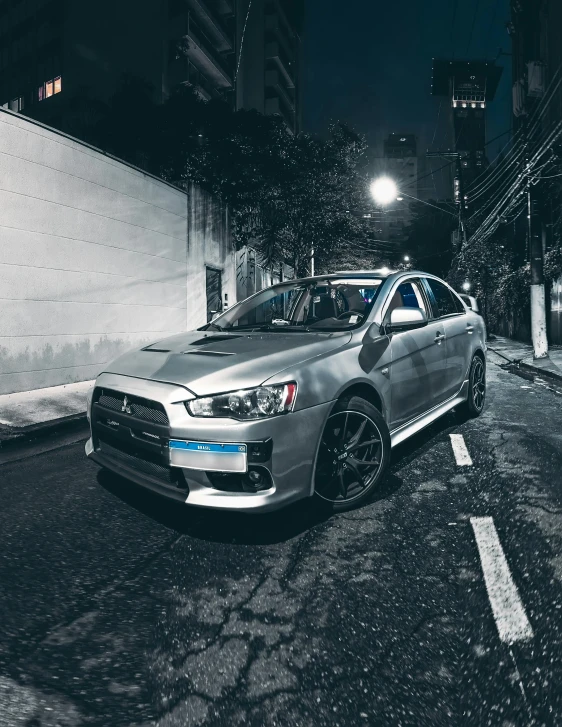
453, 214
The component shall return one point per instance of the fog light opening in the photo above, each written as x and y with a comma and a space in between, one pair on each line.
257, 479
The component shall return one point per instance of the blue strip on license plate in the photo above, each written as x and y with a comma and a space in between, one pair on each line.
207, 447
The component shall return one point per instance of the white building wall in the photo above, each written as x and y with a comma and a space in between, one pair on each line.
94, 257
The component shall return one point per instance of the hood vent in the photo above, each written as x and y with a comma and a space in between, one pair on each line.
207, 353
156, 350
212, 339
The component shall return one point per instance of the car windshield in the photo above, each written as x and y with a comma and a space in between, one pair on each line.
319, 305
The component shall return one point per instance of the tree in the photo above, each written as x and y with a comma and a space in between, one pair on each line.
288, 194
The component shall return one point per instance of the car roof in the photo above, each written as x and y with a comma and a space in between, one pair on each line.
382, 273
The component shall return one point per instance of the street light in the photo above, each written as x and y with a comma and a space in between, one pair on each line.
406, 258
466, 286
384, 190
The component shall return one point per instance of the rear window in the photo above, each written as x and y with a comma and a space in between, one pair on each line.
444, 301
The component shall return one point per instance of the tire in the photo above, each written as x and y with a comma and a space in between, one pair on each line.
341, 481
474, 404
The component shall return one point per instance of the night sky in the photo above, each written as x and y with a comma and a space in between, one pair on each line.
368, 62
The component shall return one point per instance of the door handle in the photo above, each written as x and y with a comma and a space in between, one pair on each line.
469, 329
439, 337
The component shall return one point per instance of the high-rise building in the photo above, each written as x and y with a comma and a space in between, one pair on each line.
400, 163
469, 86
269, 52
59, 57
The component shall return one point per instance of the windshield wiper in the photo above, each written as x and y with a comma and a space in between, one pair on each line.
208, 325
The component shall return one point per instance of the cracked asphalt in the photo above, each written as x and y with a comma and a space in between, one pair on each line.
118, 608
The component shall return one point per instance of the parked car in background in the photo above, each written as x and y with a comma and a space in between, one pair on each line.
300, 390
470, 302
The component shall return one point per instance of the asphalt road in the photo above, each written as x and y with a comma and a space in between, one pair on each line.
119, 609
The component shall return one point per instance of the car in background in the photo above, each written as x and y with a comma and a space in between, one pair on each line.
470, 302
300, 390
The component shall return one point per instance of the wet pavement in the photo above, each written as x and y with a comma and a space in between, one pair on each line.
121, 609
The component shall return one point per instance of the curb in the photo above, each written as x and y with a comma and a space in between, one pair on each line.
11, 436
543, 372
529, 368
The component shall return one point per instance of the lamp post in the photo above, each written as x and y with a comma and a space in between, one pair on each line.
384, 190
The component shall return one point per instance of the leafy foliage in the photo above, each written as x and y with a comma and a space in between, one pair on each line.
287, 194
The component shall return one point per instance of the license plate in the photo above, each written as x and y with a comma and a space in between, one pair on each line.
209, 456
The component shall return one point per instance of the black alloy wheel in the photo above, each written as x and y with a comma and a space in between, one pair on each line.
476, 388
353, 454
476, 397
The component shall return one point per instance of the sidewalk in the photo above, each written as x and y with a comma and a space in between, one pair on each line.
29, 412
522, 355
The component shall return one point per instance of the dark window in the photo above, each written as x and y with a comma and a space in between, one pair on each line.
443, 300
214, 300
407, 295
458, 304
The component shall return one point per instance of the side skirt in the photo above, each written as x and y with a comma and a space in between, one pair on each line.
407, 430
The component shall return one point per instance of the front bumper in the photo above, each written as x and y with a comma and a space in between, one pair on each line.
142, 456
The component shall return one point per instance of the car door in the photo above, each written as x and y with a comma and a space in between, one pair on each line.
417, 358
452, 315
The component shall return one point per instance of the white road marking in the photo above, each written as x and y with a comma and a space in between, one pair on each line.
511, 620
460, 451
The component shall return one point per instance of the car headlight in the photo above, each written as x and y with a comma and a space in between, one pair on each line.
258, 403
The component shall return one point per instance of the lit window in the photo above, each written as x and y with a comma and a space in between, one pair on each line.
48, 89
40, 93
58, 86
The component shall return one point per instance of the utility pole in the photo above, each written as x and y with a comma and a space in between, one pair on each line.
538, 298
536, 257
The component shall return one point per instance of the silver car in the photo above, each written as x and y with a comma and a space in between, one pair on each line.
300, 390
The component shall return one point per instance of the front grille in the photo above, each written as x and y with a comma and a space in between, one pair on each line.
144, 466
145, 409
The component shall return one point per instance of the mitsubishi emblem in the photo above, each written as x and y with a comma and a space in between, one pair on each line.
126, 407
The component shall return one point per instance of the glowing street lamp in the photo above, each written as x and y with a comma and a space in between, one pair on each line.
466, 286
406, 258
384, 190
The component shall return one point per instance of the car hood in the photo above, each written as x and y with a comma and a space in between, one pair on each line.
208, 363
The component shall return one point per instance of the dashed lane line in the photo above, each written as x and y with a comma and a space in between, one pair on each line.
509, 613
460, 451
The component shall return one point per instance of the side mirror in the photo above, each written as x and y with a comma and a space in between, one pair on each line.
406, 319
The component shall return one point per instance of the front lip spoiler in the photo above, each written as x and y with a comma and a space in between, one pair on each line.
145, 480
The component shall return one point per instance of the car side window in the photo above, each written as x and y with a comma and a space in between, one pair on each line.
407, 295
443, 298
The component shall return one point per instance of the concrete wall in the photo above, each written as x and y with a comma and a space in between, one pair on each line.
94, 257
